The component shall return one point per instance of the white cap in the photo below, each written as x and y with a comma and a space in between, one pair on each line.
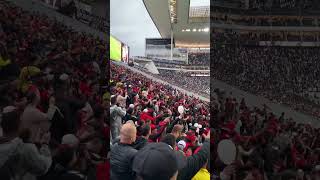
196, 125
131, 106
70, 139
182, 144
145, 110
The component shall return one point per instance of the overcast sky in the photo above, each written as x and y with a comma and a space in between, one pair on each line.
131, 24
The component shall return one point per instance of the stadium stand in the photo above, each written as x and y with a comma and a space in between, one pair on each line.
159, 114
268, 146
265, 49
50, 86
199, 59
199, 85
281, 74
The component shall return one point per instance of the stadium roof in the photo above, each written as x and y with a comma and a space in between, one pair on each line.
189, 20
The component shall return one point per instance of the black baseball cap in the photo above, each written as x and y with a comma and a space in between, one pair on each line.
158, 161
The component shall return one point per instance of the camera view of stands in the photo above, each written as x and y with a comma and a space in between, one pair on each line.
182, 74
159, 115
53, 119
265, 51
199, 85
269, 146
275, 13
288, 75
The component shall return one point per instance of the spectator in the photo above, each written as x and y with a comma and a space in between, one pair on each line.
143, 139
177, 131
196, 161
122, 154
116, 115
170, 140
54, 99
202, 174
157, 108
65, 165
32, 118
18, 158
278, 150
158, 161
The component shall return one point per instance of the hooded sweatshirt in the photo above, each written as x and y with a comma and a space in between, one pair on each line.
24, 159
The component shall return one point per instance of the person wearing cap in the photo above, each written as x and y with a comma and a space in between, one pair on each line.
116, 115
129, 114
24, 158
181, 145
158, 161
122, 154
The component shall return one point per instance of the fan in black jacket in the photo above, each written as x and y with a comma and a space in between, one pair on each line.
195, 162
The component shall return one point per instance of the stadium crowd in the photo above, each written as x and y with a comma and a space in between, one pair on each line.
196, 84
253, 38
157, 132
264, 20
199, 59
281, 74
53, 117
268, 146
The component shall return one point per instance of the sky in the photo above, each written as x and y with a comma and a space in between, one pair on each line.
131, 24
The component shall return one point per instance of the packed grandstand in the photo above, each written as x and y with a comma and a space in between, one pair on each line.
53, 112
159, 114
271, 51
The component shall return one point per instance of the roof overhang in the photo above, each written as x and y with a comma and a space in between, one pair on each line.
160, 14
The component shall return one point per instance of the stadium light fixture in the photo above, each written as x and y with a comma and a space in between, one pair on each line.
199, 30
183, 30
206, 30
194, 30
188, 30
